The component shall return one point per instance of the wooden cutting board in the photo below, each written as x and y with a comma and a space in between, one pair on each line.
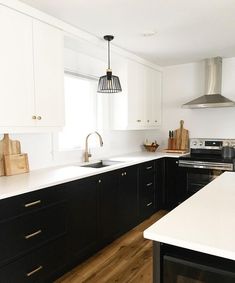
182, 137
16, 164
176, 151
8, 146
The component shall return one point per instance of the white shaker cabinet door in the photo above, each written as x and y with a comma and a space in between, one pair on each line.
16, 69
136, 88
153, 109
48, 74
156, 98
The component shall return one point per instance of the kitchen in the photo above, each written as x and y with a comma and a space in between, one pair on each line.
154, 87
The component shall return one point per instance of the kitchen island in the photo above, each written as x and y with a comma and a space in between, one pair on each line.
201, 228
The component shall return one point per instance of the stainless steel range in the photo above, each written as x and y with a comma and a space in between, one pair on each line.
208, 159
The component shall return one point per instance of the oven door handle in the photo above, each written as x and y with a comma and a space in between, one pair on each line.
206, 165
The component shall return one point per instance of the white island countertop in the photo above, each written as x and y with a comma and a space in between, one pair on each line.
205, 222
24, 183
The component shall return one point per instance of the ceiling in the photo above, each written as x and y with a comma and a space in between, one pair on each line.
186, 30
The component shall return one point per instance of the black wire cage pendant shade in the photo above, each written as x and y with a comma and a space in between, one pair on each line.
109, 83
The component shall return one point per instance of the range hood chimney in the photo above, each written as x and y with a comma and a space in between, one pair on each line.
213, 81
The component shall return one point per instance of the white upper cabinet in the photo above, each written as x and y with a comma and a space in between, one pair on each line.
139, 105
48, 74
136, 99
153, 98
16, 69
31, 73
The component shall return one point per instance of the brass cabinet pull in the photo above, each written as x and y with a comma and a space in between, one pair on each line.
149, 204
99, 181
149, 167
148, 121
32, 203
39, 117
33, 234
34, 271
34, 117
155, 121
138, 121
149, 184
124, 174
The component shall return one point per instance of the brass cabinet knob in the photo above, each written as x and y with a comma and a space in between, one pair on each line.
34, 117
138, 121
155, 121
148, 121
99, 181
39, 117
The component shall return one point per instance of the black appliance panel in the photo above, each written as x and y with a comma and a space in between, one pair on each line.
177, 270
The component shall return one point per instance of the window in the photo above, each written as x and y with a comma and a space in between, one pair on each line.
80, 111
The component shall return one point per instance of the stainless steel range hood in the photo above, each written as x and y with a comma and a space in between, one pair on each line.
213, 81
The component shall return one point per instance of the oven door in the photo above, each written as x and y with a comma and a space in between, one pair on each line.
178, 270
198, 178
200, 173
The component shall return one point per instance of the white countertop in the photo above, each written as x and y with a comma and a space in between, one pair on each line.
205, 222
38, 179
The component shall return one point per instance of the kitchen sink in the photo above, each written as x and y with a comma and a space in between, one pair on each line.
102, 163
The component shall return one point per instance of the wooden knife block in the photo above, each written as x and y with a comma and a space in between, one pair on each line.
171, 143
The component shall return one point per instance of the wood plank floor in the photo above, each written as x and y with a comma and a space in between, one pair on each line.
126, 260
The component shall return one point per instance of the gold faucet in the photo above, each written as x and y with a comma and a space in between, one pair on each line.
87, 154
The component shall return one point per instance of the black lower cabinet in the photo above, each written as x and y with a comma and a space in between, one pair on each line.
160, 184
47, 232
41, 265
147, 189
108, 207
175, 183
128, 205
33, 236
82, 234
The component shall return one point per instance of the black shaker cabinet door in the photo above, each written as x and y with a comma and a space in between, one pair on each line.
128, 202
82, 224
108, 210
175, 183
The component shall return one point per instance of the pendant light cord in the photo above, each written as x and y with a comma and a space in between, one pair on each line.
108, 54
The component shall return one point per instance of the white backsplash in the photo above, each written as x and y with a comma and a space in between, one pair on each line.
41, 152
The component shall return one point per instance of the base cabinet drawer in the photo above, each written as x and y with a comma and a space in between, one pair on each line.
27, 232
29, 202
147, 167
38, 266
147, 190
147, 207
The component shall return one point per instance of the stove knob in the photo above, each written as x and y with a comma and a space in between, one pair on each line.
194, 143
226, 144
201, 143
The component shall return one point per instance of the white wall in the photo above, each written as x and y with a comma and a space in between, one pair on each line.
182, 83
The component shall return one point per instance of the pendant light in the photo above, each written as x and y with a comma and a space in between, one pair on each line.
109, 83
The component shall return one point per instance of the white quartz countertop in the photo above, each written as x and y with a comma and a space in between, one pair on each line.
205, 222
38, 179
